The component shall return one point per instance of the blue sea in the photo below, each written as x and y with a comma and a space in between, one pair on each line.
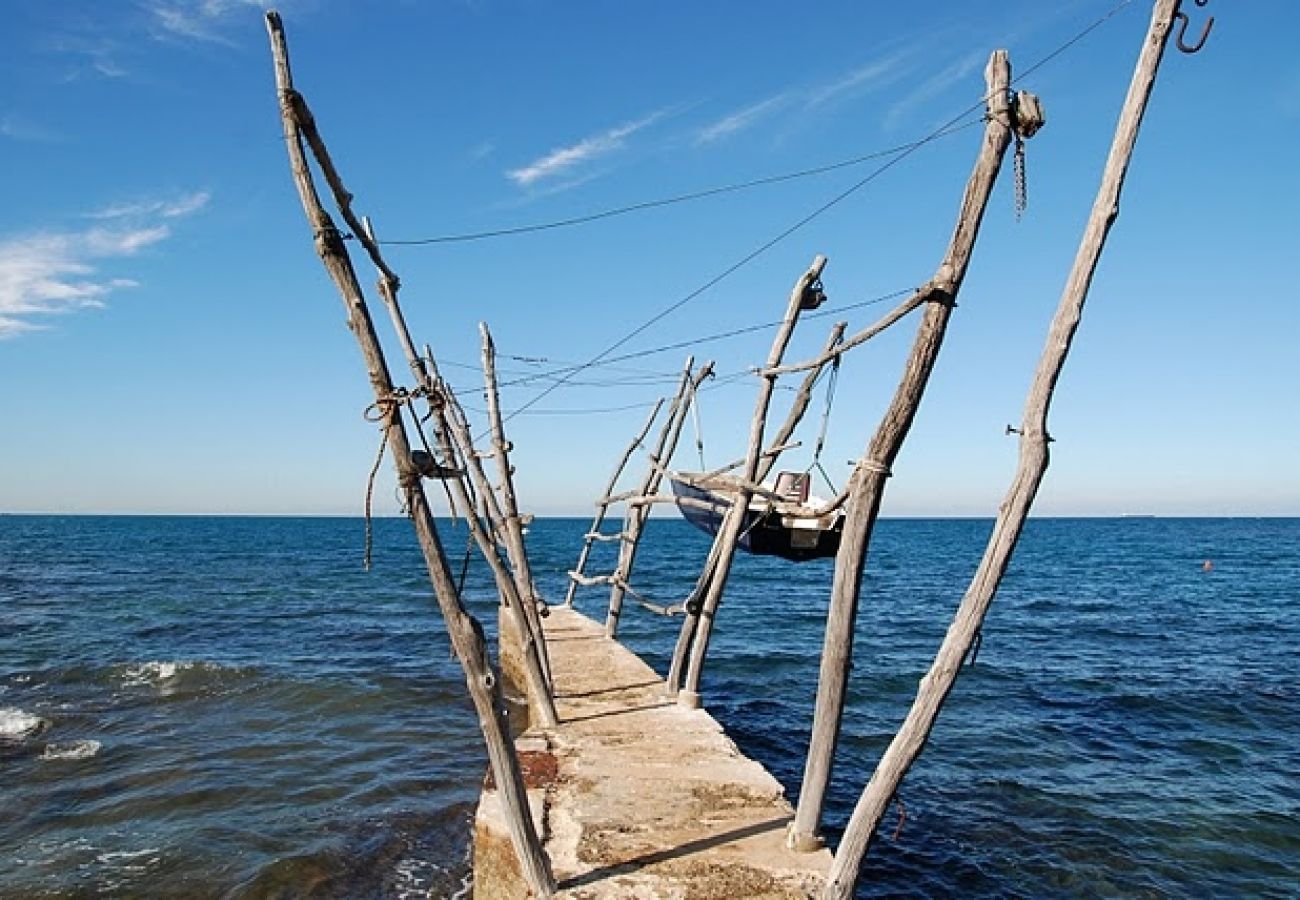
231, 707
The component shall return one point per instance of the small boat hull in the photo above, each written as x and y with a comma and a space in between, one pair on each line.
765, 532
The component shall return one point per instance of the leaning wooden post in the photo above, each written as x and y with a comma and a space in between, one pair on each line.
729, 531
1034, 457
464, 630
602, 505
868, 480
541, 701
513, 535
803, 396
634, 522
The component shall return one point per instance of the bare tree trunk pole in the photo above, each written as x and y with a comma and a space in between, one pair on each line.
868, 482
686, 635
1034, 457
465, 632
513, 533
602, 506
729, 531
541, 701
634, 522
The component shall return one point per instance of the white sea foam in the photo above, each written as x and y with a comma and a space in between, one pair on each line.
17, 725
153, 672
71, 750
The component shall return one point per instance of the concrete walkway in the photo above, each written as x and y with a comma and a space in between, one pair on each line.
637, 797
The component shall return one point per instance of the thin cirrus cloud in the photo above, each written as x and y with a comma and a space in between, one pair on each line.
198, 20
49, 273
565, 159
860, 80
741, 119
945, 78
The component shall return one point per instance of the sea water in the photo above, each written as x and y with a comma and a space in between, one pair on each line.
232, 707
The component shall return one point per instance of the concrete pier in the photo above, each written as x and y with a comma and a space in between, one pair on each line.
637, 797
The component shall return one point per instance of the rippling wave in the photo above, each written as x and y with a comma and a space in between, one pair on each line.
213, 707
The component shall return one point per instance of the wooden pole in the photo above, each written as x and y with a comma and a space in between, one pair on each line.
634, 521
686, 635
540, 698
540, 694
602, 506
512, 532
464, 630
868, 480
729, 530
1034, 457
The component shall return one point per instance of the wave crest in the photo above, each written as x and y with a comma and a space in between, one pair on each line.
17, 725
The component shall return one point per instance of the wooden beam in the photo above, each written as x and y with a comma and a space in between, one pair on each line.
867, 485
1034, 457
466, 634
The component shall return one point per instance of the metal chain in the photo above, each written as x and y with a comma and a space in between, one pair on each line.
1021, 189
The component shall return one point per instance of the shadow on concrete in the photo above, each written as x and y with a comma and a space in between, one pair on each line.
686, 849
618, 688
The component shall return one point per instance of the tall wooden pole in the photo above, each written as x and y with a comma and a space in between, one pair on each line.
729, 530
602, 505
465, 632
868, 481
513, 532
1034, 457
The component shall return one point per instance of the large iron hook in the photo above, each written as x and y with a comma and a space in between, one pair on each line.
1183, 22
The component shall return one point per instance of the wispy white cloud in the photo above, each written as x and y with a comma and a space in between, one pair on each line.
595, 146
740, 119
183, 205
58, 272
932, 87
198, 20
92, 53
860, 80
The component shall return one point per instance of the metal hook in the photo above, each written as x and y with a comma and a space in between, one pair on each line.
1183, 22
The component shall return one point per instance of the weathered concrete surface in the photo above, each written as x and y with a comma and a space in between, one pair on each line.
637, 797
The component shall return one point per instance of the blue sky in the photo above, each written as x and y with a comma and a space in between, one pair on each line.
169, 342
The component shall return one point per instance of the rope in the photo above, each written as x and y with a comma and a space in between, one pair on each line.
695, 415
831, 383
370, 491
464, 562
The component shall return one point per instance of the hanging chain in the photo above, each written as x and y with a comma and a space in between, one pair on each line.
1022, 193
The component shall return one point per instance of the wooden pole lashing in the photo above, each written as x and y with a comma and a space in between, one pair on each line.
464, 631
602, 506
867, 485
541, 700
1033, 461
